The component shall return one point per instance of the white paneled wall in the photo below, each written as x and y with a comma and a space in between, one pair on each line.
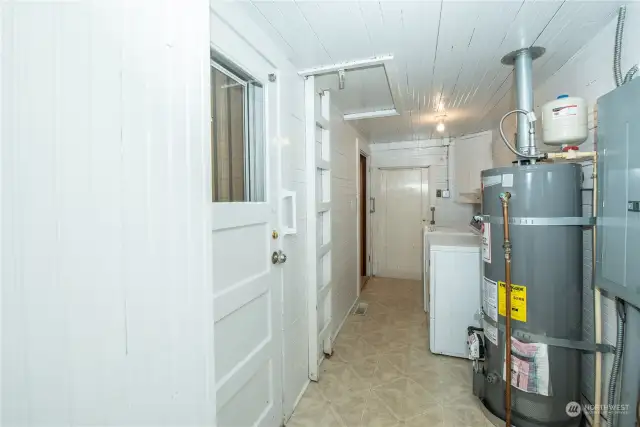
346, 144
589, 75
105, 184
236, 36
432, 154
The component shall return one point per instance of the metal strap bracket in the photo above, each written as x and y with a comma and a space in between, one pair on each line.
585, 346
562, 221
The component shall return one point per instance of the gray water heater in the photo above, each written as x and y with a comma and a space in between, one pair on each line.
545, 216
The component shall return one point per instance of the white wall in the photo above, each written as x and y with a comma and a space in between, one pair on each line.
236, 35
346, 144
105, 186
588, 75
432, 154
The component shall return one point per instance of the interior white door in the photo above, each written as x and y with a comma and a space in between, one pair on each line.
246, 289
403, 203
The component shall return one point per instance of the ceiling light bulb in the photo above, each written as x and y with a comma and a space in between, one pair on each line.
440, 127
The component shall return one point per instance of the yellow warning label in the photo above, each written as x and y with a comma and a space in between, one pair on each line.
518, 301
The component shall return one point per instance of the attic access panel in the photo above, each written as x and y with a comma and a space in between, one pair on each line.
365, 90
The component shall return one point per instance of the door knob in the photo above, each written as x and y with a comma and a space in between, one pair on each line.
278, 257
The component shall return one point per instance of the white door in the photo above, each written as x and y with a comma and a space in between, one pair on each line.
246, 284
402, 199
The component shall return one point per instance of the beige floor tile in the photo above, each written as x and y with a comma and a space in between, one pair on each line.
405, 398
432, 417
323, 417
385, 372
313, 411
377, 414
350, 406
348, 350
337, 377
382, 373
466, 415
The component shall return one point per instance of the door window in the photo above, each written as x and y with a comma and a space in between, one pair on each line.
237, 129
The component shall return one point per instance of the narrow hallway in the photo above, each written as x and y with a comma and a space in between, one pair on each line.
382, 373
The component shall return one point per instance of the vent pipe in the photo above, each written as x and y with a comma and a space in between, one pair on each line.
522, 61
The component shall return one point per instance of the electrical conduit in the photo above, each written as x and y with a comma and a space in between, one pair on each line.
617, 51
617, 361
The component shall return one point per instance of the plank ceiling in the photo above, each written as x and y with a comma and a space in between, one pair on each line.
446, 53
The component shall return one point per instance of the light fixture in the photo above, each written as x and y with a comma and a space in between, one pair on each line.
440, 127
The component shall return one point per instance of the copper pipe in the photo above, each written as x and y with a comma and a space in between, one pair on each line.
504, 197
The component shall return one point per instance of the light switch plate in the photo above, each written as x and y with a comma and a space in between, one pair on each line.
446, 194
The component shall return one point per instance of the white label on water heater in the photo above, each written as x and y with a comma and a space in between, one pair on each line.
490, 332
490, 298
507, 180
486, 242
489, 181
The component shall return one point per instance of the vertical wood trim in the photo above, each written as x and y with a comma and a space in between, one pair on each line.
312, 262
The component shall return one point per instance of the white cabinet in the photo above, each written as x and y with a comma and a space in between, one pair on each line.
472, 156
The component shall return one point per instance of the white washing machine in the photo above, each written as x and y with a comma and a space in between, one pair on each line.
429, 231
455, 272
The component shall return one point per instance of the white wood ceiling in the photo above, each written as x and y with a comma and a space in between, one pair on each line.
446, 53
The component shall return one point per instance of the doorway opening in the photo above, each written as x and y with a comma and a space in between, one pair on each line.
362, 220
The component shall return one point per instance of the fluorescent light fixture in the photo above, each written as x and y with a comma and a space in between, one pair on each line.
371, 114
440, 127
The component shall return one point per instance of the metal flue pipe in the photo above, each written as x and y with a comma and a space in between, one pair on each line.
524, 101
522, 61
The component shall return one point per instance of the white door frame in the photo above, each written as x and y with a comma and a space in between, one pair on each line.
318, 253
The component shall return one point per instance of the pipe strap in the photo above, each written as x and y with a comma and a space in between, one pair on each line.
585, 346
561, 221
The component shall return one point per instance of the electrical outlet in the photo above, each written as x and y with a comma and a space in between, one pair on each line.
438, 193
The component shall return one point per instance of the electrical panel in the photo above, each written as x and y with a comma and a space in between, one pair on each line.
618, 142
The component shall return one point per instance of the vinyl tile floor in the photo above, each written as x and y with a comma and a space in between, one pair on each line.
382, 373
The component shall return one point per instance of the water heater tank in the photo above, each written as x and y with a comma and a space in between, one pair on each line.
546, 276
564, 121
